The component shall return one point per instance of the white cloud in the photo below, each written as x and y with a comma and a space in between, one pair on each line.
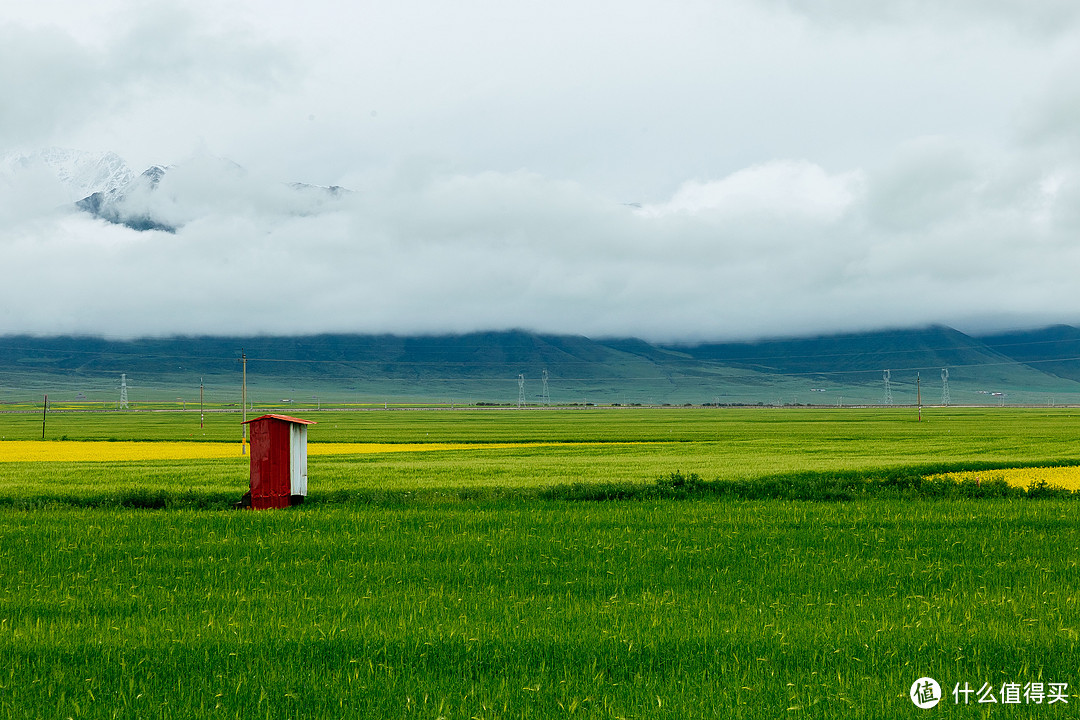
782, 248
69, 86
796, 190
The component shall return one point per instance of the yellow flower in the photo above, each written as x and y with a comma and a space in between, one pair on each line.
1065, 477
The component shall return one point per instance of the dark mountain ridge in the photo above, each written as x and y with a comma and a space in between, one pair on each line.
486, 364
1054, 350
910, 349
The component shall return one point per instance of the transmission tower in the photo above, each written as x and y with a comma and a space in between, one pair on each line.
123, 391
945, 399
888, 389
521, 391
545, 397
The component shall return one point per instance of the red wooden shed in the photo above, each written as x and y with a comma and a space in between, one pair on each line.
278, 461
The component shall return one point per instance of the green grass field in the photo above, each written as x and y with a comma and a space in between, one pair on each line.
400, 592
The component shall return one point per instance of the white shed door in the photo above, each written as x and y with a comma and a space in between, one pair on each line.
298, 459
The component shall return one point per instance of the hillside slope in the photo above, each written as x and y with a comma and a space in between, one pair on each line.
487, 367
1054, 350
860, 354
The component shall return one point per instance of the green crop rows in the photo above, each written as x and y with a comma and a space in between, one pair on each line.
428, 601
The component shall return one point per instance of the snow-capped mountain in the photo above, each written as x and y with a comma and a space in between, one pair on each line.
80, 173
167, 198
128, 204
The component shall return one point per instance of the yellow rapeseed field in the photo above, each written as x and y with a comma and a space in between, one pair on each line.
1065, 477
83, 451
90, 451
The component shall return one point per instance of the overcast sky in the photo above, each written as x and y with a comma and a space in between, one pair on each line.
663, 169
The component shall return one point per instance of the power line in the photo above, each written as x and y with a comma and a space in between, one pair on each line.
314, 347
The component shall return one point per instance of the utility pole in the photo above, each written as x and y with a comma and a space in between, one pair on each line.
202, 415
918, 393
243, 403
44, 409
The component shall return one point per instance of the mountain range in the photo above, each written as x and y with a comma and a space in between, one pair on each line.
1030, 367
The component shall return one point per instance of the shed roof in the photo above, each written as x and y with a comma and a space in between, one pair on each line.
286, 418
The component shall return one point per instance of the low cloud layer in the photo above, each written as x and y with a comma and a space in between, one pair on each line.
737, 171
936, 235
